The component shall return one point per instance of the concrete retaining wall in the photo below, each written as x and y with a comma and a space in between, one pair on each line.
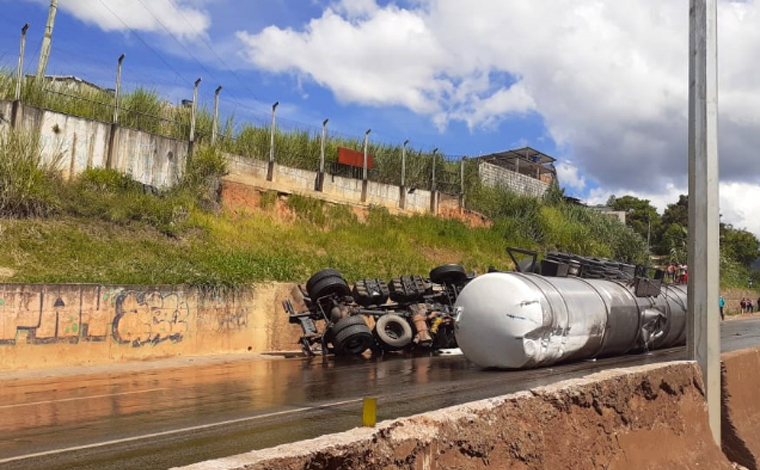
76, 144
51, 325
649, 417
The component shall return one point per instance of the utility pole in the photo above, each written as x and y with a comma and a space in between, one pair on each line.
117, 90
703, 340
46, 39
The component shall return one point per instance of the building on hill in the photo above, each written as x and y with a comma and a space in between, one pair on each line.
71, 84
525, 171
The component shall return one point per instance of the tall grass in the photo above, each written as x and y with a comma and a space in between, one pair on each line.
28, 183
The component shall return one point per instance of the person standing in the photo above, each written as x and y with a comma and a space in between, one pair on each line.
722, 303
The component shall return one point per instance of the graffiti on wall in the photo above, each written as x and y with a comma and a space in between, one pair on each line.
76, 314
150, 318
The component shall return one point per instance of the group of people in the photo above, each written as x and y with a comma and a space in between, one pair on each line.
677, 273
747, 306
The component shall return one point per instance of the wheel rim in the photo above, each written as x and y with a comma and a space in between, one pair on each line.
394, 330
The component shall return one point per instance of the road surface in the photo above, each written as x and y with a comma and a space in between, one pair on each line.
157, 417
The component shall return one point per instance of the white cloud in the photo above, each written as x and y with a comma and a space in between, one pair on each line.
182, 18
568, 176
609, 79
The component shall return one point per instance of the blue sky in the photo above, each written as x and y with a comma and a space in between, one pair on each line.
602, 86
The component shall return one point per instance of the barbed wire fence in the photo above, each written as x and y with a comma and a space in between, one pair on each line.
277, 140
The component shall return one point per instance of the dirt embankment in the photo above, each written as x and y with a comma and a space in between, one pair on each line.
650, 417
740, 371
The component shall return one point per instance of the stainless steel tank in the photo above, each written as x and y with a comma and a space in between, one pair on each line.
516, 320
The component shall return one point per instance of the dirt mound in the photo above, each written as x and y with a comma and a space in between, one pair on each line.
647, 417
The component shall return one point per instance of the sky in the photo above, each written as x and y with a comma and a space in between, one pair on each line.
600, 85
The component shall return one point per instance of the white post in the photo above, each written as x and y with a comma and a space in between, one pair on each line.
20, 70
432, 182
703, 341
46, 40
272, 132
193, 109
117, 91
366, 147
403, 163
215, 125
322, 148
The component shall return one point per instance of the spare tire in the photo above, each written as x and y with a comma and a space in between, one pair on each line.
321, 275
328, 286
393, 332
448, 273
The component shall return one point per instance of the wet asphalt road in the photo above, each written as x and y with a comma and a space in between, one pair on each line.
159, 418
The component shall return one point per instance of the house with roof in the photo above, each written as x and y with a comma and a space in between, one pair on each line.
525, 170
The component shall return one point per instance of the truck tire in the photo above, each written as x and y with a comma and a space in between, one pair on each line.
321, 275
448, 273
393, 332
353, 340
368, 292
329, 285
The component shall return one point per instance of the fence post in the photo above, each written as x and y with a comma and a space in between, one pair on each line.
272, 130
215, 125
19, 77
321, 174
364, 166
193, 109
115, 121
461, 183
402, 188
433, 192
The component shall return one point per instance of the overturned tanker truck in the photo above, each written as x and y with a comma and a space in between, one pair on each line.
566, 308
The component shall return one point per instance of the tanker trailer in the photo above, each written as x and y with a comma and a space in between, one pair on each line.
513, 320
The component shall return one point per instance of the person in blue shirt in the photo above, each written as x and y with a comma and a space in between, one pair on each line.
721, 304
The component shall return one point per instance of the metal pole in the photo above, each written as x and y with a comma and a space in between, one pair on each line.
117, 91
193, 109
20, 71
703, 341
46, 39
403, 163
366, 146
322, 148
215, 125
271, 132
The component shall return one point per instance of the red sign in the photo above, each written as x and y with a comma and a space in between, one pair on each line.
353, 158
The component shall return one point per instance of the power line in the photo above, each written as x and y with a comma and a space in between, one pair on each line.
144, 42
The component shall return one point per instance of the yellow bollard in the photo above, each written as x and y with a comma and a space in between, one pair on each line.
369, 413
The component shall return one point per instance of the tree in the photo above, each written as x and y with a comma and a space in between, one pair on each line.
739, 245
641, 215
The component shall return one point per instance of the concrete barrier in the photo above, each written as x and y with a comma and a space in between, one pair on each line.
649, 417
740, 415
54, 325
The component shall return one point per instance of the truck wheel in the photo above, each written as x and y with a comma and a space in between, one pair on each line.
321, 275
393, 331
448, 273
327, 286
353, 340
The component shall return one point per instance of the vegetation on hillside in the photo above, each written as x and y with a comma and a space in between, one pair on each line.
668, 237
103, 227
